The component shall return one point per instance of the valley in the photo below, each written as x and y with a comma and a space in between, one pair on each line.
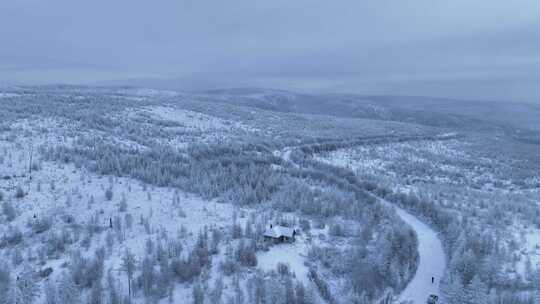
144, 196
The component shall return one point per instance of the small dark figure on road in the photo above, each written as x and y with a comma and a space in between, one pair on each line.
432, 280
110, 222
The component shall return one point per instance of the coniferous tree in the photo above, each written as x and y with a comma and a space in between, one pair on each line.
51, 296
290, 296
123, 203
259, 292
239, 297
19, 192
109, 194
198, 294
300, 293
537, 286
147, 276
96, 293
68, 292
217, 291
454, 291
128, 266
112, 289
164, 278
9, 211
476, 292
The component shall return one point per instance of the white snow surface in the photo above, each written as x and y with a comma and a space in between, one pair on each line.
432, 262
292, 254
278, 231
146, 92
7, 95
196, 120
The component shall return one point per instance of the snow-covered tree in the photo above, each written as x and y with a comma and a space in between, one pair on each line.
51, 295
112, 289
96, 293
128, 266
5, 283
8, 210
148, 276
536, 285
27, 286
476, 292
198, 294
217, 291
109, 194
19, 192
123, 203
68, 291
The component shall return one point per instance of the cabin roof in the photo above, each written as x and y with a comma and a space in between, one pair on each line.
279, 231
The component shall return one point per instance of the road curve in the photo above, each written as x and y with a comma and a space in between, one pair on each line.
431, 265
432, 261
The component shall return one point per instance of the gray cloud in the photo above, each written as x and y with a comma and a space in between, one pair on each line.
487, 49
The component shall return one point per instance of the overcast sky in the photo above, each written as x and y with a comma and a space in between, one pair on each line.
487, 49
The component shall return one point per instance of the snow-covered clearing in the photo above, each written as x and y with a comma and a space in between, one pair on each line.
195, 120
533, 246
528, 253
285, 154
290, 254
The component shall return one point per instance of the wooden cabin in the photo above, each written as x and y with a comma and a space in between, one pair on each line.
280, 234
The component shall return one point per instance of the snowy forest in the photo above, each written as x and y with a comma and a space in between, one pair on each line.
126, 195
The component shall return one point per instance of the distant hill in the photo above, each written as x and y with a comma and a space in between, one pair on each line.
440, 112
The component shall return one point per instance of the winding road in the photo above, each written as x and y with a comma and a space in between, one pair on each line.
432, 261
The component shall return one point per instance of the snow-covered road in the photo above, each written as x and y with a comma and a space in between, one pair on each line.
432, 262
